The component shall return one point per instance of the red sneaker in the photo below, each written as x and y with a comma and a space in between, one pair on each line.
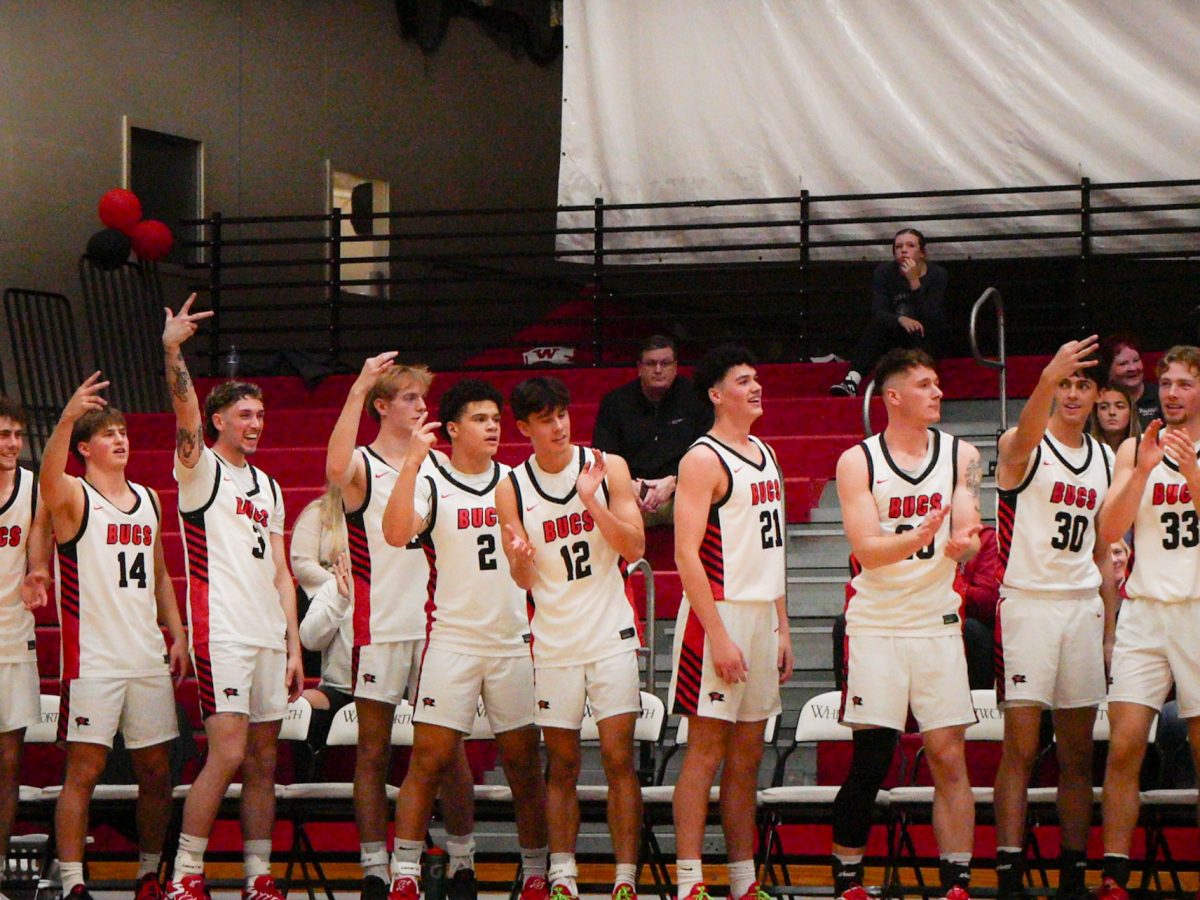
958, 892
148, 888
404, 888
755, 892
535, 888
624, 891
262, 888
698, 892
1110, 890
855, 892
561, 892
189, 887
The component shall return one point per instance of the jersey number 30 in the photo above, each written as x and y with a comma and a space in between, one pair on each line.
1071, 530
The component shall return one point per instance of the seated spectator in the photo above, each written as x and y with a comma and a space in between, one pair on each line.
1112, 418
1120, 561
650, 422
906, 309
322, 570
1121, 364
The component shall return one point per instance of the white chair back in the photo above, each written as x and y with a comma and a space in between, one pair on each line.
1101, 730
481, 728
819, 720
648, 727
296, 721
990, 726
46, 729
769, 729
402, 725
343, 732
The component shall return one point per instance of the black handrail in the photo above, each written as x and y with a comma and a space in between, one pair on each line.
1001, 360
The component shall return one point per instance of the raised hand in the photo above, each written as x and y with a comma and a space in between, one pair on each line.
86, 398
591, 475
374, 367
1150, 447
1177, 444
1071, 357
520, 547
961, 542
182, 325
423, 439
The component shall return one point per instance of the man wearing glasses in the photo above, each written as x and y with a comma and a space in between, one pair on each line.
651, 422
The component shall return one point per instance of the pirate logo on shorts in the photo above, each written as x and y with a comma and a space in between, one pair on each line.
857, 701
230, 692
543, 704
82, 721
428, 701
716, 697
1018, 679
368, 678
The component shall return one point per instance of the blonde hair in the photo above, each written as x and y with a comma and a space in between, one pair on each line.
333, 522
390, 381
1180, 353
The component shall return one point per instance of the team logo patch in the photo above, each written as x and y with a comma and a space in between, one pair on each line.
82, 721
627, 633
716, 697
857, 701
368, 678
543, 704
230, 692
428, 701
1018, 679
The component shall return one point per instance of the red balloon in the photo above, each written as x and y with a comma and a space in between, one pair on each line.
152, 240
120, 209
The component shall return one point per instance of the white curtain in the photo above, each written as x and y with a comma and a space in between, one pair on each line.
676, 100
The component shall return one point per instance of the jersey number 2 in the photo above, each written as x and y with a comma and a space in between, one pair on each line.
136, 572
487, 552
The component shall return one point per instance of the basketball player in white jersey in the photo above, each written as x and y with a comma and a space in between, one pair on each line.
242, 611
478, 643
1052, 624
389, 603
24, 548
733, 646
1156, 490
910, 504
113, 592
571, 523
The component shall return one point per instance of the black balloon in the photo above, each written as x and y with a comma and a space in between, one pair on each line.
109, 248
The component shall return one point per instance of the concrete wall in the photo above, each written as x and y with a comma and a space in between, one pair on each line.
273, 89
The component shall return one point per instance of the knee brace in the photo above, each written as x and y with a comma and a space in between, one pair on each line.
855, 803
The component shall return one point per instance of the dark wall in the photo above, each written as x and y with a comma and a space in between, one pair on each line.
273, 89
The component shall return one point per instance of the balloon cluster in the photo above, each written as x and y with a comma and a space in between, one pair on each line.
125, 231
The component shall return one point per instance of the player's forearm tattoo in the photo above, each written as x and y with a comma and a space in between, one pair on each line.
180, 380
974, 479
185, 442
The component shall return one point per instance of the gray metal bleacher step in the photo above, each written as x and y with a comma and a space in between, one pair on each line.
814, 592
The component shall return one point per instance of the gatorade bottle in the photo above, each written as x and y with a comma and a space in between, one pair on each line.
433, 873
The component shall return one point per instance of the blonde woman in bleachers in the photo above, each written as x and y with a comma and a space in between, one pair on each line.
318, 551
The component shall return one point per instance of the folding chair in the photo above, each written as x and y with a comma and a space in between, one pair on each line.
913, 804
807, 804
29, 856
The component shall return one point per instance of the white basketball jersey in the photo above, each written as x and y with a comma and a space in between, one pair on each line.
915, 596
231, 566
106, 602
743, 551
474, 606
17, 642
1047, 524
581, 609
1165, 564
389, 582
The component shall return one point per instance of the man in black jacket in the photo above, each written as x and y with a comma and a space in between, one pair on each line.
651, 422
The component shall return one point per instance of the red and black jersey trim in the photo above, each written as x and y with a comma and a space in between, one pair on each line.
1006, 516
68, 601
204, 680
998, 652
690, 668
712, 554
64, 709
360, 568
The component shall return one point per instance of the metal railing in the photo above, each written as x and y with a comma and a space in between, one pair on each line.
868, 393
651, 631
468, 280
1001, 361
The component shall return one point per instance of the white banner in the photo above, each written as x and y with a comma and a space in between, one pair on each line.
682, 100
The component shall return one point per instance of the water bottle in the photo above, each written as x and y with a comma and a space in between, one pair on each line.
433, 873
232, 361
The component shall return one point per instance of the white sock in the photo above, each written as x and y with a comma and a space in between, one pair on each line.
626, 874
741, 876
1016, 850
147, 863
189, 859
71, 874
373, 856
562, 871
533, 862
406, 859
461, 848
688, 874
256, 859
853, 376
959, 859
